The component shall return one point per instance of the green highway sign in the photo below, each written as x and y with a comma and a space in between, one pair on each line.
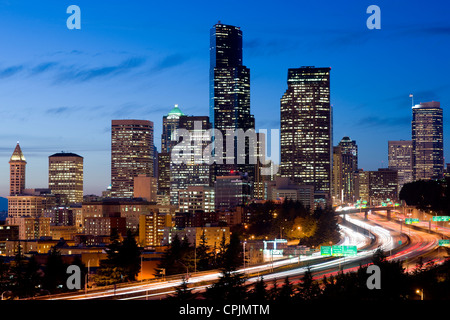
350, 250
441, 218
444, 243
411, 220
325, 251
338, 251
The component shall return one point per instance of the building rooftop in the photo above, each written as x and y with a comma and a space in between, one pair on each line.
65, 154
17, 154
175, 112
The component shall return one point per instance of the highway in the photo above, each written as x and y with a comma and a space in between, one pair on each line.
368, 236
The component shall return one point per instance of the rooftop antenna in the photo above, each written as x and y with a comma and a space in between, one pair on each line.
412, 99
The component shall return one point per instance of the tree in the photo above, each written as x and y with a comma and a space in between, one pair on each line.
123, 262
182, 293
259, 292
274, 291
308, 289
229, 287
172, 260
129, 257
203, 255
232, 257
54, 279
32, 278
286, 293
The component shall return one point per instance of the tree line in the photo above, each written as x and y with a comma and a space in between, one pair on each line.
428, 195
291, 220
24, 277
182, 257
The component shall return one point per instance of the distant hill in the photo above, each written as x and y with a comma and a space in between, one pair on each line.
3, 206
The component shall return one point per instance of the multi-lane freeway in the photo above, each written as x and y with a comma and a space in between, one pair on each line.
405, 244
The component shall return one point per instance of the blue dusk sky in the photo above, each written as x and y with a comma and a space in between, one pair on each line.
60, 88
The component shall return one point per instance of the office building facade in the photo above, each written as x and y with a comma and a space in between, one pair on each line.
427, 141
131, 154
65, 177
305, 128
345, 164
401, 159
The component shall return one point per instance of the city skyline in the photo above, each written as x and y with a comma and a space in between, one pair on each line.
130, 74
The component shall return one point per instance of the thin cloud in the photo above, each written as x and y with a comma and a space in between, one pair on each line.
10, 71
58, 110
87, 74
169, 62
43, 67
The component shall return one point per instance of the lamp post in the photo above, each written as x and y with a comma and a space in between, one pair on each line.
420, 291
4, 293
243, 244
87, 277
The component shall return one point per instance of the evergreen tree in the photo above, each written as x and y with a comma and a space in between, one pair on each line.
259, 292
32, 278
308, 288
274, 291
129, 257
232, 257
229, 287
203, 255
286, 293
54, 279
182, 293
172, 257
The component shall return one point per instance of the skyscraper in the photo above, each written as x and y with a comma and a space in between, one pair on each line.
131, 154
193, 171
230, 95
401, 159
171, 123
345, 164
65, 177
17, 166
305, 129
427, 141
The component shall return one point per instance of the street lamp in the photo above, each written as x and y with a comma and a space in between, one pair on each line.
420, 291
4, 293
87, 277
243, 244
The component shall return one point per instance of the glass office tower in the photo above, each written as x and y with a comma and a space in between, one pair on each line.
428, 141
305, 128
230, 95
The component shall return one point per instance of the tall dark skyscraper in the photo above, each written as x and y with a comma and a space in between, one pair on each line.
229, 92
305, 128
427, 141
131, 154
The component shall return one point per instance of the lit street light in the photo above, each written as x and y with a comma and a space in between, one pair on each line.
420, 291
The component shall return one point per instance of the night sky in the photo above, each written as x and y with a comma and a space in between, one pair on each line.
60, 88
